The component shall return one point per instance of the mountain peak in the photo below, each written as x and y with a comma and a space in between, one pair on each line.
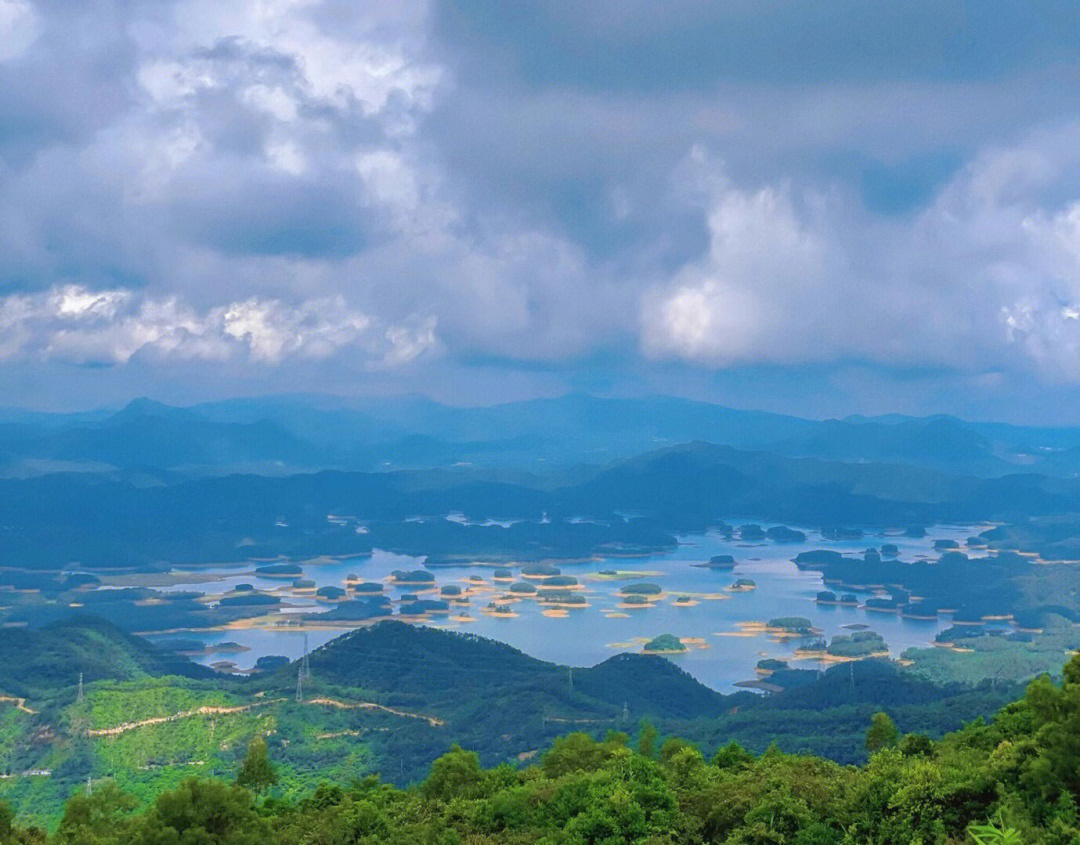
143, 407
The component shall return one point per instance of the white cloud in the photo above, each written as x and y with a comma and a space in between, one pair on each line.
985, 276
75, 324
18, 28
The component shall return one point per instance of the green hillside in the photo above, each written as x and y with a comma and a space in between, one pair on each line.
392, 698
1013, 780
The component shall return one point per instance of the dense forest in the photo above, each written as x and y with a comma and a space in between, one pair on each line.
1015, 779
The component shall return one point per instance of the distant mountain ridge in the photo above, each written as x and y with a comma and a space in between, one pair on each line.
57, 519
302, 433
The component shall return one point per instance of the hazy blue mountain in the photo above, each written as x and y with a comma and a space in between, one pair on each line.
290, 433
53, 520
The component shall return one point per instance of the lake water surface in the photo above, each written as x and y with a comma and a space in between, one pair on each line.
586, 636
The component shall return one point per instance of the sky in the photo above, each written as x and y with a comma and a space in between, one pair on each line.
818, 208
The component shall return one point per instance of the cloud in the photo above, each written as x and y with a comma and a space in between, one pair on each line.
726, 187
76, 325
984, 277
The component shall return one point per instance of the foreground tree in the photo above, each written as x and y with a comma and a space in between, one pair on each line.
257, 772
882, 733
201, 812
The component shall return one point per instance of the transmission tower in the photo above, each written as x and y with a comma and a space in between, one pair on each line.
300, 686
570, 671
305, 665
625, 713
79, 697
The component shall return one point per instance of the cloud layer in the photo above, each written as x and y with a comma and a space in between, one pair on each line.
107, 327
444, 184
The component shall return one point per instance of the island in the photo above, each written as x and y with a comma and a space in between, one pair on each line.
279, 570
664, 644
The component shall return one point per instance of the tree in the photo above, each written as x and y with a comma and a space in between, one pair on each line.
647, 739
882, 733
201, 812
916, 745
456, 774
257, 773
574, 752
102, 816
733, 756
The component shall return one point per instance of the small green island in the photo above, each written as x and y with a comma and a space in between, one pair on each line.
641, 588
664, 644
858, 644
279, 570
790, 625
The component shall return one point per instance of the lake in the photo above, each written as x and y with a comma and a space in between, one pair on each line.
725, 655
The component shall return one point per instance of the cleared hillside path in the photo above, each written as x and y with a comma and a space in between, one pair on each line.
434, 721
205, 710
20, 703
220, 710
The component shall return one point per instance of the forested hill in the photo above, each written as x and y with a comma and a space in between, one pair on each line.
392, 698
43, 662
57, 519
448, 670
1013, 780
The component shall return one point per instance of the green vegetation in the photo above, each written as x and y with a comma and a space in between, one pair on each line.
995, 654
641, 588
414, 576
791, 624
540, 570
665, 643
1015, 779
882, 733
858, 644
256, 772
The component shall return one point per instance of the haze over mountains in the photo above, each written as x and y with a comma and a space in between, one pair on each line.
290, 434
